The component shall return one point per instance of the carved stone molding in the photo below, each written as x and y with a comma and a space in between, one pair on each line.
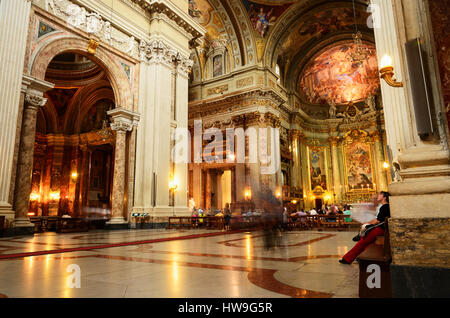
35, 101
123, 119
161, 7
93, 24
160, 52
256, 119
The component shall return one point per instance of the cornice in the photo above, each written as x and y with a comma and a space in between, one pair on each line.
170, 10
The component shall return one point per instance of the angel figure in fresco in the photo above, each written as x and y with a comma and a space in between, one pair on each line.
260, 20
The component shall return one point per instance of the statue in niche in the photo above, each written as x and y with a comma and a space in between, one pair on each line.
371, 104
397, 177
332, 111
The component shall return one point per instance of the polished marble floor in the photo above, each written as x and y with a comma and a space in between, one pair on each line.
176, 263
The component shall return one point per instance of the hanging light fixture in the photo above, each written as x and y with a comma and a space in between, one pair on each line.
105, 133
361, 53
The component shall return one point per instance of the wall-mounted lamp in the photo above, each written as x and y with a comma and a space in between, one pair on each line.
248, 194
387, 72
74, 176
173, 184
385, 165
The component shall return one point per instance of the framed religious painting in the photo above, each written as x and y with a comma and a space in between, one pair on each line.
217, 65
358, 166
318, 170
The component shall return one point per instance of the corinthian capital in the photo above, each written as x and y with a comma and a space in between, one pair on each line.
35, 100
123, 119
185, 66
122, 124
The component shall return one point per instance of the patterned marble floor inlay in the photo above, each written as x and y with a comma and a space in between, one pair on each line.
172, 263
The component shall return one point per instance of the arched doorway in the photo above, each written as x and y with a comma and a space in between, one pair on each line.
74, 148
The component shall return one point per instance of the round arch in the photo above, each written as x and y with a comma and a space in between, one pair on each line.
116, 75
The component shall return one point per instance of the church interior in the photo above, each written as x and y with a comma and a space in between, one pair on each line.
157, 146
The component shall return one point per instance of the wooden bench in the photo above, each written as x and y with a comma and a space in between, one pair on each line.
299, 222
182, 221
378, 253
38, 224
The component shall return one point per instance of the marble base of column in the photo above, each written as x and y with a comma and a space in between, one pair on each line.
7, 211
22, 222
116, 223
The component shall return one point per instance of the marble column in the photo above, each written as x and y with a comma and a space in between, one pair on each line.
380, 158
306, 180
208, 190
14, 22
239, 184
336, 169
25, 159
219, 190
420, 192
163, 87
296, 171
122, 121
197, 185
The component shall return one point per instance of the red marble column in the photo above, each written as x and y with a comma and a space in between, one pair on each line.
25, 159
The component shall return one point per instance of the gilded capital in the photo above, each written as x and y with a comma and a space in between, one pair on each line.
333, 141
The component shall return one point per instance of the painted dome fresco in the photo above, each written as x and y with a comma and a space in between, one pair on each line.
331, 76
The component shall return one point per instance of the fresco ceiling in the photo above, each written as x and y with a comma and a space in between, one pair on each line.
320, 24
333, 77
264, 14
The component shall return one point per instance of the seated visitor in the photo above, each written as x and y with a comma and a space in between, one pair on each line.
313, 212
332, 213
376, 230
347, 212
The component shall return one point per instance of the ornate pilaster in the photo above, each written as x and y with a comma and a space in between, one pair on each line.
33, 100
123, 121
13, 40
418, 226
296, 171
380, 158
158, 51
335, 168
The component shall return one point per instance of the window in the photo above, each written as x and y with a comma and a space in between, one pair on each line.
277, 71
